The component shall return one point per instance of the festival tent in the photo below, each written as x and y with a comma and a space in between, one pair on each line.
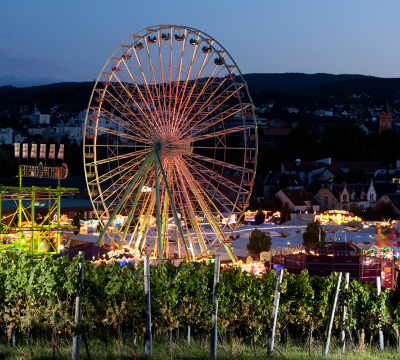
91, 252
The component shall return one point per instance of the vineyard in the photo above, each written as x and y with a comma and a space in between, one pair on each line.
38, 299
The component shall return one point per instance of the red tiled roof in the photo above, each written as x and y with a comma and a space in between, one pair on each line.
298, 196
367, 166
276, 131
304, 166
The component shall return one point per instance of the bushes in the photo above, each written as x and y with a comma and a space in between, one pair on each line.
41, 295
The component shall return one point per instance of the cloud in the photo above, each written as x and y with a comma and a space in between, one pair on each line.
11, 37
25, 81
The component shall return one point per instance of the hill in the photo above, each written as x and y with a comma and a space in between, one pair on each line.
74, 96
295, 82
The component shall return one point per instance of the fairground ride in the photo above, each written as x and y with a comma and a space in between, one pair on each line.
25, 228
171, 143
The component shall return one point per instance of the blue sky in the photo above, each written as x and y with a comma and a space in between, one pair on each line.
47, 41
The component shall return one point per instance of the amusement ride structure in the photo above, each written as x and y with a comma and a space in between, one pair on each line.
24, 228
170, 144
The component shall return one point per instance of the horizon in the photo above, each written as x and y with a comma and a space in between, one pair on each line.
89, 81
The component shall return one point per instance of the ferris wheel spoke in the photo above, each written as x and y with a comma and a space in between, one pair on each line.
184, 88
154, 81
126, 95
132, 98
148, 98
210, 81
223, 132
189, 97
200, 126
203, 204
205, 87
126, 125
116, 195
191, 209
217, 162
215, 103
120, 169
117, 157
180, 210
109, 131
208, 174
175, 110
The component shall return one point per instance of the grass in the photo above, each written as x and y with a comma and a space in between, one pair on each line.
182, 351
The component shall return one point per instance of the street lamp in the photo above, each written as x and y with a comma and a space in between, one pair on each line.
288, 246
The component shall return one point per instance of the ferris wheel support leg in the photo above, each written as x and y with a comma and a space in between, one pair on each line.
177, 222
142, 229
164, 224
148, 160
208, 214
158, 220
132, 212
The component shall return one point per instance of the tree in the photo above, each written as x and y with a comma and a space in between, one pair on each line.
311, 235
259, 218
258, 242
356, 175
285, 214
76, 222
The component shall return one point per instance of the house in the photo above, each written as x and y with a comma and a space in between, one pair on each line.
344, 196
392, 199
276, 123
327, 199
306, 170
273, 135
275, 181
325, 168
298, 199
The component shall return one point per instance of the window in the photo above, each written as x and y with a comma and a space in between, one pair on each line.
344, 197
371, 196
326, 200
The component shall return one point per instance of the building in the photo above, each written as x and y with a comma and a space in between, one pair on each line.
306, 170
275, 181
6, 136
298, 200
272, 136
386, 121
325, 168
345, 196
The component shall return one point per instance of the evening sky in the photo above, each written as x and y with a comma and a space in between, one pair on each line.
47, 41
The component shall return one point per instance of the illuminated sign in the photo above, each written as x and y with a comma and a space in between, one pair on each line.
337, 216
116, 253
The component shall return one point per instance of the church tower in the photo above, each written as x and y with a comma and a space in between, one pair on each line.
385, 119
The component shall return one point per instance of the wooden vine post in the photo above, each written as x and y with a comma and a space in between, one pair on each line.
148, 345
343, 322
188, 328
381, 339
332, 314
214, 329
76, 344
271, 340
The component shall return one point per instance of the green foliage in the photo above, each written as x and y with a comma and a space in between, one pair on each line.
356, 175
258, 242
40, 294
285, 214
312, 233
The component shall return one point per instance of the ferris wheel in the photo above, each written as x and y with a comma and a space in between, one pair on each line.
170, 143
